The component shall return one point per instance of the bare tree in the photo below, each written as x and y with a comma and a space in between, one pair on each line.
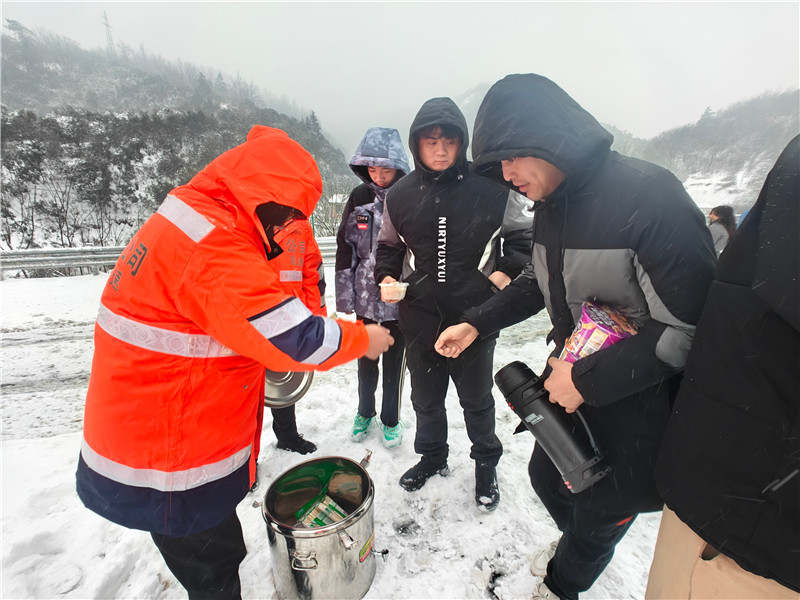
328, 214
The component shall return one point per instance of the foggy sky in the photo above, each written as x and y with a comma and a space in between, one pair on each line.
643, 67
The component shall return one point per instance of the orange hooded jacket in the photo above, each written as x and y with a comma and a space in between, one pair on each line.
300, 268
191, 315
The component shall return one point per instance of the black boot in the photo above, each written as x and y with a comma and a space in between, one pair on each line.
487, 494
297, 444
416, 476
255, 483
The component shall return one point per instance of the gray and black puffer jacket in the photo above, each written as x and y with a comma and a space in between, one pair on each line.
445, 233
619, 231
356, 290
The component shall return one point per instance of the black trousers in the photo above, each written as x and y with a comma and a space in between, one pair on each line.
284, 423
588, 537
471, 373
207, 563
394, 362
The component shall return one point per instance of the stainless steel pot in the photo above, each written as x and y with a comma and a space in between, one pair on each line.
284, 388
333, 561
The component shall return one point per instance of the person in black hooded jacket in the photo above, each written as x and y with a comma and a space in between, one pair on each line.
441, 233
608, 229
729, 467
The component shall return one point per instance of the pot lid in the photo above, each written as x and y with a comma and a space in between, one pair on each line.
284, 388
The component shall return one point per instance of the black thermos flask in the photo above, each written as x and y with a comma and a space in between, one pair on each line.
564, 436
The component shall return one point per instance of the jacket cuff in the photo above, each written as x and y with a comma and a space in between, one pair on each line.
472, 316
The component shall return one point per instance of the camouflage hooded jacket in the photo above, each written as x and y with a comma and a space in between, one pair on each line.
356, 289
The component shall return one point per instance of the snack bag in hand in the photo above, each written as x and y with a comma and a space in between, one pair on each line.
600, 327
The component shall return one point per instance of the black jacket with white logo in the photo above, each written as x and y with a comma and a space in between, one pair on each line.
444, 233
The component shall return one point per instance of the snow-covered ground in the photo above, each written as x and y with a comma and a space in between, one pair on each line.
440, 545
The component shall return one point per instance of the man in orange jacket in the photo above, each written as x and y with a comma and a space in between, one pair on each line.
191, 316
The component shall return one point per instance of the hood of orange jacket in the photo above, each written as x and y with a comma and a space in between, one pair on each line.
268, 167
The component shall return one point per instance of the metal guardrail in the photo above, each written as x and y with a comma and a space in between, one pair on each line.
58, 258
58, 261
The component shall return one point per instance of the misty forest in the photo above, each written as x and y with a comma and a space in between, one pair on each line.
93, 140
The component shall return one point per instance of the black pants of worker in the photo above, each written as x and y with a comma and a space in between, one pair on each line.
588, 537
471, 373
394, 364
207, 563
284, 423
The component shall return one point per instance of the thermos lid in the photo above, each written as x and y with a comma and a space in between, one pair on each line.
284, 388
512, 376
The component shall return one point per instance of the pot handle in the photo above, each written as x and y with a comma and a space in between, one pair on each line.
346, 540
304, 560
365, 461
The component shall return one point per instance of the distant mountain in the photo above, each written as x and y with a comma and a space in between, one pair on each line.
44, 73
88, 133
723, 158
92, 140
470, 101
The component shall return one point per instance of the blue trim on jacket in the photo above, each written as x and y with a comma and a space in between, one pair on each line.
176, 514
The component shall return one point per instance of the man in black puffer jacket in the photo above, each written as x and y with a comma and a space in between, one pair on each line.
729, 468
608, 229
441, 233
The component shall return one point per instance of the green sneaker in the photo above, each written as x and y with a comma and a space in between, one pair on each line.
360, 427
393, 436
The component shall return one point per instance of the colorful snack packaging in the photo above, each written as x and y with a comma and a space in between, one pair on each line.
600, 326
321, 511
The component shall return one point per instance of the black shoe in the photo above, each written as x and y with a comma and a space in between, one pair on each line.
297, 444
416, 476
255, 483
487, 494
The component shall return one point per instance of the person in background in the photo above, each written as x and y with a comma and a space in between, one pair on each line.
191, 315
379, 161
301, 273
729, 469
722, 224
610, 229
456, 239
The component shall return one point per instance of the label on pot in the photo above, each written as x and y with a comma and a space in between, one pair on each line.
364, 553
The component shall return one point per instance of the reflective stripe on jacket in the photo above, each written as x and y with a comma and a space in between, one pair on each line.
299, 266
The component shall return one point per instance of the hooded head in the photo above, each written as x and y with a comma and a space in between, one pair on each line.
444, 113
269, 167
529, 115
380, 147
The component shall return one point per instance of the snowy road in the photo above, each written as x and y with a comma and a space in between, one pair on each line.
439, 544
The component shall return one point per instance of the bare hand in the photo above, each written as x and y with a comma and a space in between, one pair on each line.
559, 384
388, 279
455, 339
499, 279
379, 341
